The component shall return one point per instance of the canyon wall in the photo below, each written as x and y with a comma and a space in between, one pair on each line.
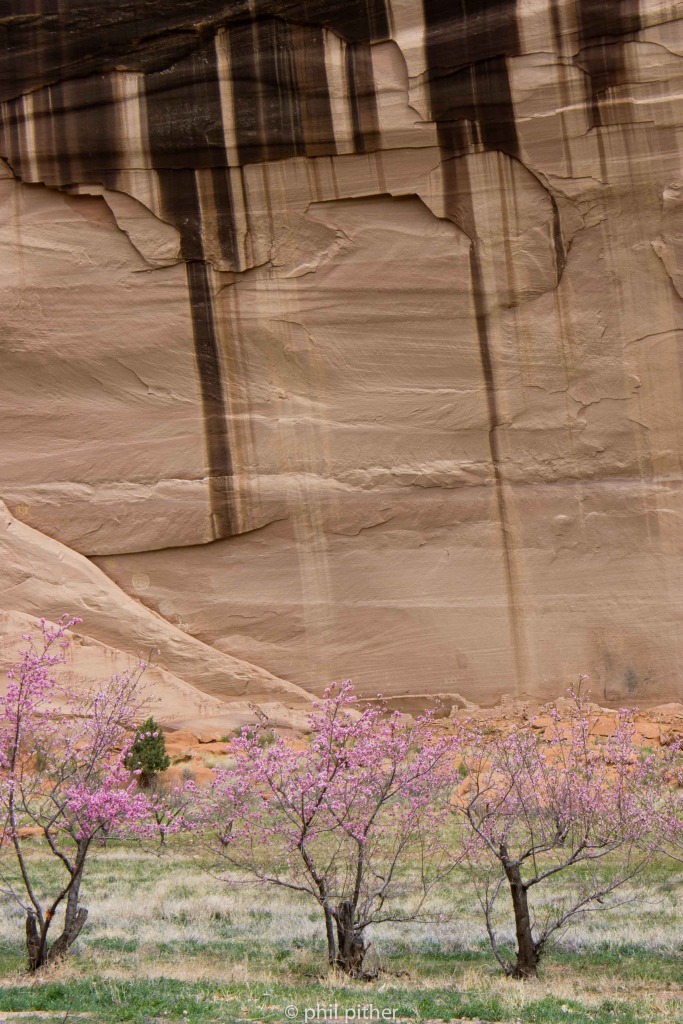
343, 338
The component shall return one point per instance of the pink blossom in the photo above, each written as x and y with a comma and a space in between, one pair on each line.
61, 756
339, 817
532, 809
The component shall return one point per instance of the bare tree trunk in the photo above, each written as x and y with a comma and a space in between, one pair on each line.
33, 944
74, 919
60, 947
351, 948
329, 931
39, 953
528, 951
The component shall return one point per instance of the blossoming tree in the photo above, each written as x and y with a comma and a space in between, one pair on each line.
62, 777
668, 807
341, 820
579, 805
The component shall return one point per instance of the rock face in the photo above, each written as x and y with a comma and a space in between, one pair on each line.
346, 336
41, 572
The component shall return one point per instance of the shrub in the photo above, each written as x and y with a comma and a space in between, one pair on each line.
147, 756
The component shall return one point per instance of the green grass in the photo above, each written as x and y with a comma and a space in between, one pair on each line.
167, 942
138, 1002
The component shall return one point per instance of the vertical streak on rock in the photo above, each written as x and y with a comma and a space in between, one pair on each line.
337, 91
56, 170
512, 580
281, 102
603, 24
362, 98
14, 134
562, 32
185, 131
222, 210
26, 141
213, 400
96, 121
471, 102
558, 240
249, 133
314, 94
556, 24
277, 95
179, 197
265, 118
378, 19
467, 50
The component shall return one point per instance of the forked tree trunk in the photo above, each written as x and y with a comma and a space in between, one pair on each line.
528, 951
39, 952
351, 947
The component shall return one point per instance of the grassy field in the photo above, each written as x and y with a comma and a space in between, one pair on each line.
168, 942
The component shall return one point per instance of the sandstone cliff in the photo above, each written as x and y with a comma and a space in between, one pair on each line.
345, 336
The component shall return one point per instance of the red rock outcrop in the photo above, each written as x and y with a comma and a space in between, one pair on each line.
346, 337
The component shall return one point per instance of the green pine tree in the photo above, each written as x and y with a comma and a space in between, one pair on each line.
148, 753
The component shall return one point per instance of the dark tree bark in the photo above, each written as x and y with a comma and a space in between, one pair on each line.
329, 932
351, 947
32, 941
72, 929
39, 953
528, 951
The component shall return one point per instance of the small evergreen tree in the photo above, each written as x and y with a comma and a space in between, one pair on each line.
148, 756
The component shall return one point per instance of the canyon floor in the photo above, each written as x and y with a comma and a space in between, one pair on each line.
166, 942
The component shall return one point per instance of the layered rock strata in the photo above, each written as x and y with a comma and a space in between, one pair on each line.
345, 336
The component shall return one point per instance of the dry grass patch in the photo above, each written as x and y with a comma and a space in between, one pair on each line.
166, 941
